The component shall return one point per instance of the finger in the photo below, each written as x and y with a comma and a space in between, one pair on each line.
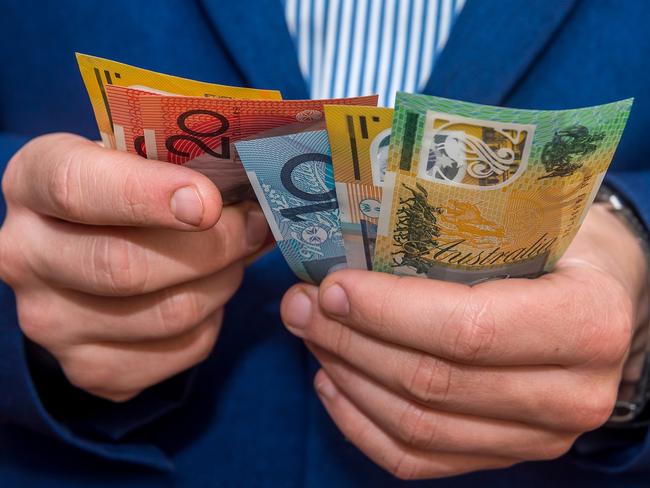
423, 428
112, 261
120, 371
74, 179
56, 318
402, 461
558, 318
547, 396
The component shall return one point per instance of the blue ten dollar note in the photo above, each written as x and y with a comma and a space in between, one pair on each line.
293, 179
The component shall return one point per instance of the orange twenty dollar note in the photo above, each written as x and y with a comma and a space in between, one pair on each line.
200, 132
97, 73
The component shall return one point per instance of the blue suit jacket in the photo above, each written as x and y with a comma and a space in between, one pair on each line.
247, 416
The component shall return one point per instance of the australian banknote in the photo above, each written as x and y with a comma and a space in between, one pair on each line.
97, 73
200, 132
359, 139
293, 180
475, 192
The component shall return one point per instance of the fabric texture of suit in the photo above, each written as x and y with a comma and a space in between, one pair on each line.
248, 415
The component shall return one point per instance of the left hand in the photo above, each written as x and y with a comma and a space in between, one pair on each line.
433, 379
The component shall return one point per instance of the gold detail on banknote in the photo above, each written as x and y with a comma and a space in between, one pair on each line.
359, 138
463, 221
477, 154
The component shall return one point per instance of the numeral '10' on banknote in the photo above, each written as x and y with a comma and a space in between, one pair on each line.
475, 192
293, 180
359, 137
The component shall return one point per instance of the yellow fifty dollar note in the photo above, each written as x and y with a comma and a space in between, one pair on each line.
99, 72
474, 192
359, 139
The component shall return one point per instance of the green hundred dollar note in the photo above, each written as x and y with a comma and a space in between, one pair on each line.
293, 180
474, 192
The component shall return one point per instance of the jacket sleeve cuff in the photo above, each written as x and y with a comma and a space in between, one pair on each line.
36, 394
614, 450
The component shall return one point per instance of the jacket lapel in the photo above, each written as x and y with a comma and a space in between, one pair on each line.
254, 32
490, 48
492, 45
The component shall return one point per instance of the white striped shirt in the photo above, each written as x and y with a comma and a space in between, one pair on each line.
358, 47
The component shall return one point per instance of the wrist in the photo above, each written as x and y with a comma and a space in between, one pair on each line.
618, 250
619, 221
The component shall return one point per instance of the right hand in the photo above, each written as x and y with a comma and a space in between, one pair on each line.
121, 267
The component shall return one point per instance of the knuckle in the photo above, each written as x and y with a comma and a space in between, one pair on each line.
232, 278
415, 427
548, 451
115, 397
617, 345
227, 244
34, 320
21, 159
428, 381
620, 320
18, 261
62, 184
86, 371
9, 268
179, 311
476, 332
589, 408
5, 259
236, 279
222, 240
132, 199
605, 331
341, 341
404, 468
10, 176
596, 409
388, 312
119, 265
503, 464
207, 340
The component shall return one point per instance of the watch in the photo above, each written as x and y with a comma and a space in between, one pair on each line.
633, 401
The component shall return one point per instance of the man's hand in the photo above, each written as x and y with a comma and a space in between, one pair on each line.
121, 266
432, 379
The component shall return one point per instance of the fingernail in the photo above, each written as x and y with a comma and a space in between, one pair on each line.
325, 386
298, 311
187, 206
335, 300
256, 229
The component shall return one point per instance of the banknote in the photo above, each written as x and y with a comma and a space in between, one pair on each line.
293, 179
474, 192
200, 132
97, 73
359, 139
